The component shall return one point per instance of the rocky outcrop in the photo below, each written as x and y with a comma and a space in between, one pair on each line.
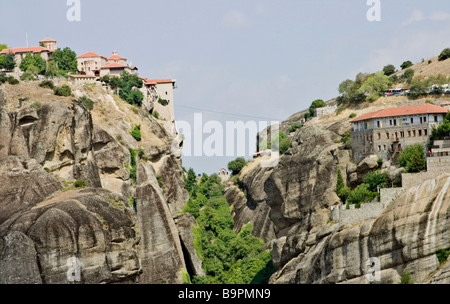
116, 231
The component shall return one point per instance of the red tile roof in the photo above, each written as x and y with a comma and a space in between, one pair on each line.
155, 81
90, 54
33, 49
116, 57
113, 66
47, 40
403, 111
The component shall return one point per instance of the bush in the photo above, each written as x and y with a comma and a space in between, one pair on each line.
295, 127
237, 165
413, 159
442, 255
13, 81
353, 115
406, 64
88, 103
375, 179
64, 90
27, 76
445, 54
47, 84
389, 70
80, 184
406, 278
347, 140
136, 133
361, 194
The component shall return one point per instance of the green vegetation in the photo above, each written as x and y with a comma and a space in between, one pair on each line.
236, 165
295, 127
278, 141
406, 64
374, 86
64, 90
375, 179
65, 60
406, 278
389, 70
347, 140
228, 258
445, 54
88, 103
80, 184
442, 255
3, 46
8, 62
36, 105
47, 84
413, 158
34, 64
136, 133
318, 103
442, 131
407, 76
132, 167
127, 83
163, 102
350, 91
353, 115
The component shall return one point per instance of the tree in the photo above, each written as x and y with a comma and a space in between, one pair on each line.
413, 159
349, 90
237, 165
3, 47
375, 179
408, 75
66, 60
406, 64
374, 86
389, 70
361, 194
37, 63
445, 54
52, 69
8, 62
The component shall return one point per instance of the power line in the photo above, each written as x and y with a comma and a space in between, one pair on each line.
225, 113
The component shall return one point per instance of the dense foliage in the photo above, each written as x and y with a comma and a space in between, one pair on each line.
8, 62
65, 60
445, 54
236, 165
228, 257
127, 85
279, 142
413, 159
63, 90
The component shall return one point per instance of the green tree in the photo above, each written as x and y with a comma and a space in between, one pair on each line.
52, 69
374, 86
445, 54
64, 90
8, 62
361, 194
349, 90
3, 47
66, 60
413, 159
375, 179
340, 181
237, 165
406, 64
407, 76
318, 103
389, 70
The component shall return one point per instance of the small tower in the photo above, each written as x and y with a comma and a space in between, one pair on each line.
48, 43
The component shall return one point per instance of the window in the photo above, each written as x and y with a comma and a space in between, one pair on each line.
387, 135
420, 132
414, 133
378, 124
390, 122
425, 119
384, 147
425, 132
412, 120
379, 148
409, 133
421, 120
402, 134
395, 122
435, 118
379, 135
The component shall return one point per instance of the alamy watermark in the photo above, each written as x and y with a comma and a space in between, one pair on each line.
74, 271
232, 139
373, 270
374, 12
74, 12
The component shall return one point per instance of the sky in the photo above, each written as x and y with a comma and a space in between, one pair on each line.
252, 60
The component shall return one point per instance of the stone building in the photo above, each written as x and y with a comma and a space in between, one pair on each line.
156, 91
90, 63
46, 48
388, 131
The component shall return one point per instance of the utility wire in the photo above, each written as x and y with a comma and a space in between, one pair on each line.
224, 113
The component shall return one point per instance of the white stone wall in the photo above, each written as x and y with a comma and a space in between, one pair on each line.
348, 216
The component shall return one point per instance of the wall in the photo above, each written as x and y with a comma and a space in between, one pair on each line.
367, 211
435, 166
325, 111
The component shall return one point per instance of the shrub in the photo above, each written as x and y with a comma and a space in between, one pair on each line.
347, 140
155, 114
13, 81
445, 54
443, 254
64, 90
80, 184
353, 115
361, 194
406, 64
406, 278
375, 179
237, 165
36, 105
88, 103
136, 133
163, 102
27, 76
389, 70
295, 127
47, 84
413, 158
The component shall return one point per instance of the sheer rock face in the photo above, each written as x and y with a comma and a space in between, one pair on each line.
294, 200
53, 235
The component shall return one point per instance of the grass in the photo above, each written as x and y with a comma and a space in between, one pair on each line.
74, 185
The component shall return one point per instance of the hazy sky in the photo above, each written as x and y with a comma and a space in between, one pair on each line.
259, 58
